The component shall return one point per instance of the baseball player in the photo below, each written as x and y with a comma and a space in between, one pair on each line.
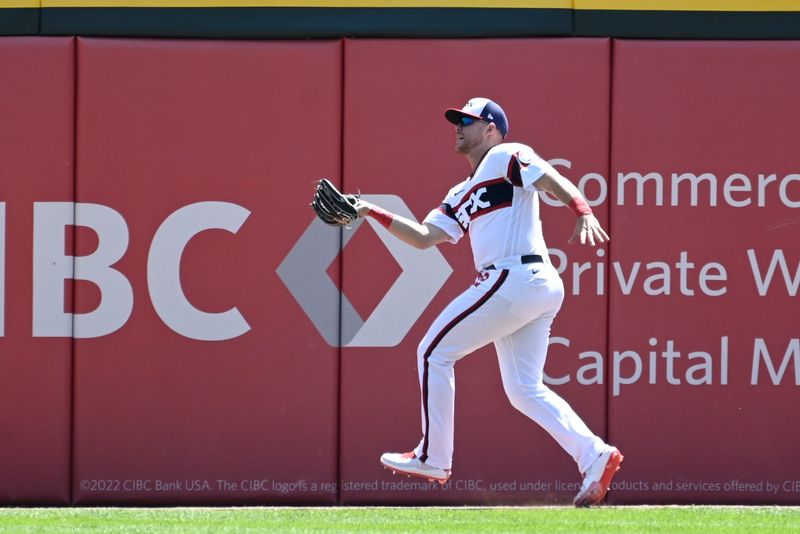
512, 303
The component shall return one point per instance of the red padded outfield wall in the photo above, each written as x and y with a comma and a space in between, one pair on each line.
215, 388
710, 416
214, 358
36, 166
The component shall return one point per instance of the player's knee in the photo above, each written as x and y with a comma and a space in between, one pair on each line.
440, 355
522, 396
517, 399
425, 350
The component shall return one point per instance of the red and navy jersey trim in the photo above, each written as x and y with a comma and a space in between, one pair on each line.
447, 210
514, 172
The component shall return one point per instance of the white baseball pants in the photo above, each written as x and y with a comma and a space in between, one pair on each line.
513, 308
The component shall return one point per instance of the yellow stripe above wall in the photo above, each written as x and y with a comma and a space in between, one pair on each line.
689, 5
606, 5
551, 4
18, 4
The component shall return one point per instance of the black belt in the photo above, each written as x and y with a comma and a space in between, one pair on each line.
527, 258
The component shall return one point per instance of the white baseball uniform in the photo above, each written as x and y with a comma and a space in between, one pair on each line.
512, 304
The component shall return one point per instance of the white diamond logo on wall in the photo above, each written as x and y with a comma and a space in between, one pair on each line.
303, 271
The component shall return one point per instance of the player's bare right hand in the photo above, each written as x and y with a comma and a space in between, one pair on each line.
587, 228
363, 207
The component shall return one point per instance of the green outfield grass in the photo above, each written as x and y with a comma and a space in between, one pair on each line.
678, 519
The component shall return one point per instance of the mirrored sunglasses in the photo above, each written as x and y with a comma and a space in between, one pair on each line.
466, 121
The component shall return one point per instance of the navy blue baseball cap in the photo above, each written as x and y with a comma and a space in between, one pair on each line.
483, 109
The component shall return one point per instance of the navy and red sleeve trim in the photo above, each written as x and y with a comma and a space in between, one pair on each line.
514, 172
447, 210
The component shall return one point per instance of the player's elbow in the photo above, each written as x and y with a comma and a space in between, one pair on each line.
422, 243
427, 240
429, 236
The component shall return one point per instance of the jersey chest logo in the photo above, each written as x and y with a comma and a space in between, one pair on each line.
472, 204
482, 199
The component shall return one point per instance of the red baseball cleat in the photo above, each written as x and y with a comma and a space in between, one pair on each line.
597, 478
